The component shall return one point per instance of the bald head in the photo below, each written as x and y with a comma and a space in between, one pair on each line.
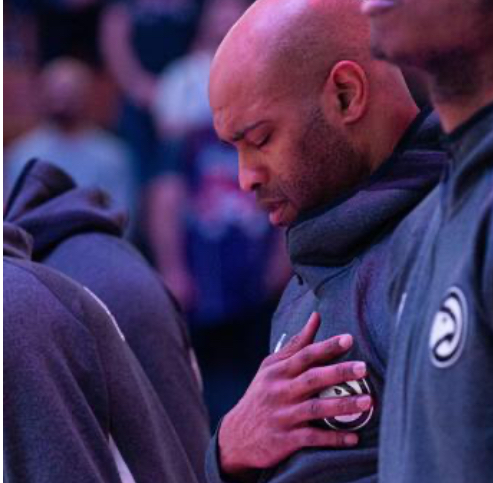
291, 44
293, 83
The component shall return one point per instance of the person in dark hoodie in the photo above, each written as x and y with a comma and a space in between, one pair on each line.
331, 143
437, 424
77, 405
78, 232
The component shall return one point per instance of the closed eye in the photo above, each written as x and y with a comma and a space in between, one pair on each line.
264, 141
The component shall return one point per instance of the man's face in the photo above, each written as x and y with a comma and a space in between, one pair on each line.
288, 155
421, 33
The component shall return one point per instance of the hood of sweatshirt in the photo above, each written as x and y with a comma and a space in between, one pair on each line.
16, 242
46, 203
330, 238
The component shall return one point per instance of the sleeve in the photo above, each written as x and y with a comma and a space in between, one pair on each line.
55, 398
212, 468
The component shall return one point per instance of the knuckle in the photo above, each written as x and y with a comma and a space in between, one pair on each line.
283, 367
306, 357
276, 371
344, 372
314, 408
292, 344
269, 373
332, 345
268, 361
338, 439
346, 404
301, 439
276, 391
311, 439
311, 379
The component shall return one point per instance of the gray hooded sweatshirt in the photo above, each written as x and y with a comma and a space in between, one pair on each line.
437, 424
78, 232
341, 258
77, 406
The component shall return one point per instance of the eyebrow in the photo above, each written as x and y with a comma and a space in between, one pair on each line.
239, 135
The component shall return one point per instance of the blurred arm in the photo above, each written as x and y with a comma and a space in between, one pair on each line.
166, 201
120, 58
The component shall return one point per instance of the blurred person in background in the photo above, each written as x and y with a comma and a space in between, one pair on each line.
78, 231
139, 38
69, 139
59, 28
78, 406
213, 246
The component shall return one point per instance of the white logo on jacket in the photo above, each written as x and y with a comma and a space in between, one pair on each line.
448, 330
349, 422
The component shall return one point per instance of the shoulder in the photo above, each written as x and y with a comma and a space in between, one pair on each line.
119, 275
43, 308
104, 257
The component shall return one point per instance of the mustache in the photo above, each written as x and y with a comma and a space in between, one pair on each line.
268, 198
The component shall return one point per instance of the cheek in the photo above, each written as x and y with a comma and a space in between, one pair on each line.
297, 182
418, 30
282, 162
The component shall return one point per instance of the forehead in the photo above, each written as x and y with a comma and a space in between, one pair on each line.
245, 103
236, 103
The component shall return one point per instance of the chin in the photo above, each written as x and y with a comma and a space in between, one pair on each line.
396, 49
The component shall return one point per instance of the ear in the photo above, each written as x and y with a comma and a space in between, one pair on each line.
346, 92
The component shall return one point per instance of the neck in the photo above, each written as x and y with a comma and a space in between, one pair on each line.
70, 128
395, 125
460, 89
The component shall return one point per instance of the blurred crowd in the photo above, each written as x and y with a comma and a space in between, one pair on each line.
115, 93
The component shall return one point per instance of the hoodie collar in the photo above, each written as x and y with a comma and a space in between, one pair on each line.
470, 147
16, 242
47, 204
325, 242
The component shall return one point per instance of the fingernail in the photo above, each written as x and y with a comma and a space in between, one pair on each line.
359, 369
350, 439
345, 341
364, 403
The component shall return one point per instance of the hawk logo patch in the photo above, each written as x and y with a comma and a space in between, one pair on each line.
448, 331
349, 422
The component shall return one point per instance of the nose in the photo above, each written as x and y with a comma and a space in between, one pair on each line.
251, 174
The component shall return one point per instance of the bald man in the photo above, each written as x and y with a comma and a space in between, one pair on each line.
438, 420
332, 144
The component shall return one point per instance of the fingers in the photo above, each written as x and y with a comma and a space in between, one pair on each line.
318, 378
314, 437
300, 340
319, 408
317, 354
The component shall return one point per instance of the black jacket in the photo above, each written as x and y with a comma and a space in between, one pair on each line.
341, 258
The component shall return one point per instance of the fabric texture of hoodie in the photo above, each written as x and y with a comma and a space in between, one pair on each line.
77, 405
78, 232
341, 258
437, 423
